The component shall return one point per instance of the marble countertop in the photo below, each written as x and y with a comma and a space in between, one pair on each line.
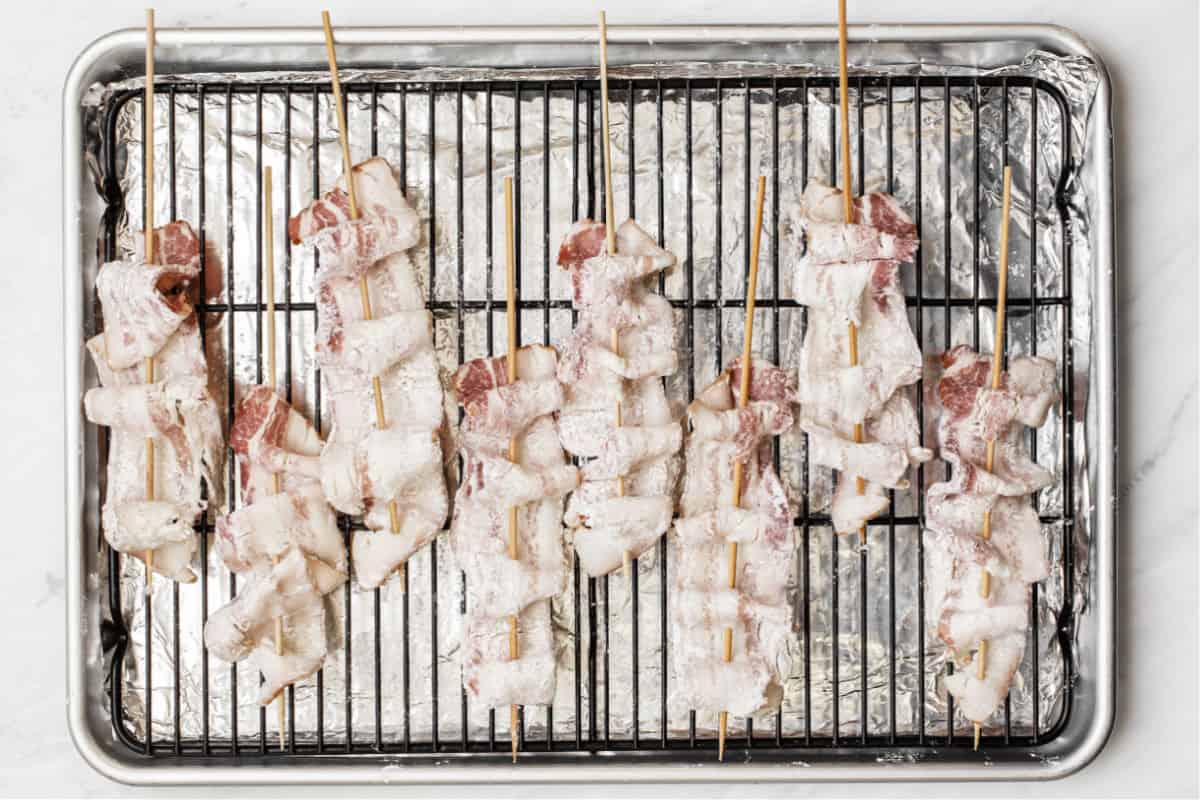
1151, 50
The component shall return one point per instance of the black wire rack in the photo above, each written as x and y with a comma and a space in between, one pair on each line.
592, 734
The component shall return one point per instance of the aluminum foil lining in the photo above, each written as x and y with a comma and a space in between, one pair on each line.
209, 167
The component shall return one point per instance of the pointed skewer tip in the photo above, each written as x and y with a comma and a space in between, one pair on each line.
513, 723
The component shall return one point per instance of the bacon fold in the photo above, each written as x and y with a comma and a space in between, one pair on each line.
148, 312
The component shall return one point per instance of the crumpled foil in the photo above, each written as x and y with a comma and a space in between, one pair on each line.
209, 166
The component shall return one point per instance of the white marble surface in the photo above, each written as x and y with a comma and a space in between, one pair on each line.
1150, 47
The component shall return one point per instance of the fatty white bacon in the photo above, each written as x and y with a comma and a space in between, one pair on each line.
272, 438
147, 312
498, 586
612, 291
757, 610
286, 546
245, 627
851, 274
957, 555
145, 303
364, 468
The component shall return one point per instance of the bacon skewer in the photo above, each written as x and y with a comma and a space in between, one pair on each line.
153, 383
985, 581
615, 411
978, 577
848, 208
510, 312
364, 292
148, 230
610, 237
284, 538
743, 399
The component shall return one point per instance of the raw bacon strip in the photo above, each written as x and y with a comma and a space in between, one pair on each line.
839, 288
757, 610
751, 682
889, 357
174, 243
389, 462
365, 470
379, 552
877, 462
179, 412
1016, 546
147, 312
497, 586
234, 630
496, 481
729, 523
145, 303
490, 677
975, 412
177, 243
272, 438
142, 409
507, 409
613, 292
404, 464
245, 627
174, 410
607, 529
978, 699
1015, 555
252, 538
743, 427
822, 204
850, 274
139, 525
286, 546
849, 510
834, 243
629, 448
348, 247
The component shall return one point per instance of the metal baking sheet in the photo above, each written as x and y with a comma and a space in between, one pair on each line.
479, 55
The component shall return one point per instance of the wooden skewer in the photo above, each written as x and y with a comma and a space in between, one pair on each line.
363, 289
269, 230
514, 648
610, 235
743, 400
985, 582
148, 231
848, 207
